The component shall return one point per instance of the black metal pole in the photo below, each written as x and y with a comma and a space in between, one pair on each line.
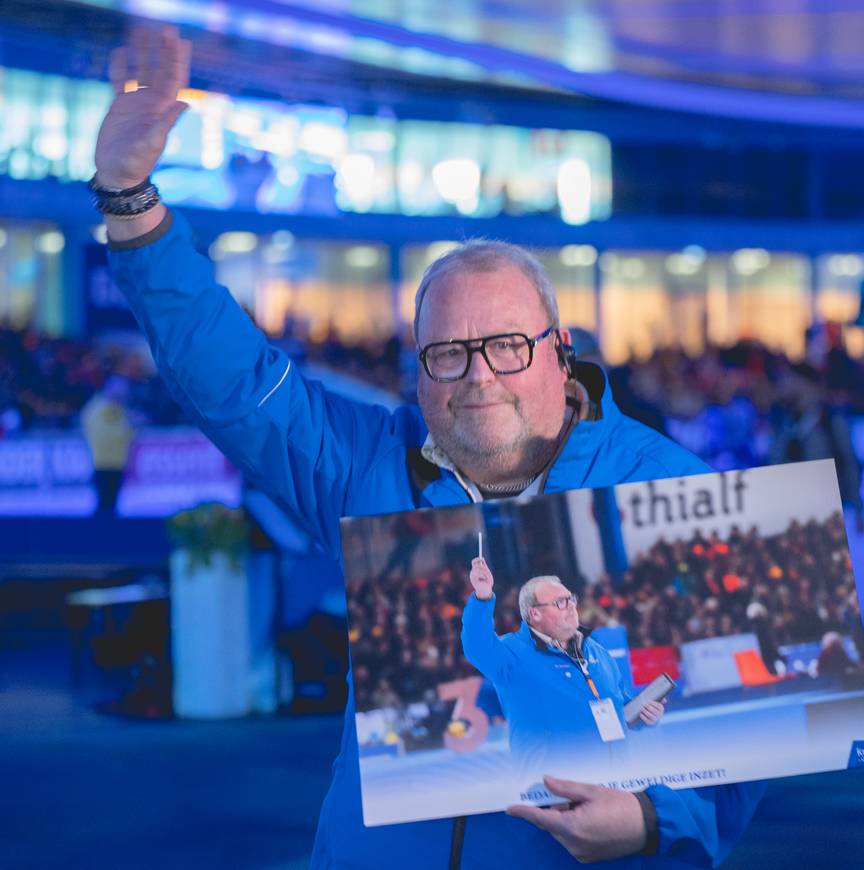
456, 842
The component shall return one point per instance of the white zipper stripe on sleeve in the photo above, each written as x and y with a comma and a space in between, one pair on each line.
284, 375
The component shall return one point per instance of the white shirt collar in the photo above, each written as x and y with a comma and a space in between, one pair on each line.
550, 642
435, 454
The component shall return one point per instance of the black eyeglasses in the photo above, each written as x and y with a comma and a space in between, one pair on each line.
561, 603
505, 354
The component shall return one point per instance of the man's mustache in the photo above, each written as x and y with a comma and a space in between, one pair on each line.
484, 398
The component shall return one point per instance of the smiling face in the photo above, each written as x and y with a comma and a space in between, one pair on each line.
560, 625
496, 428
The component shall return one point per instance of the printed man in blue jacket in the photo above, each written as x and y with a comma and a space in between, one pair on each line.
502, 410
562, 693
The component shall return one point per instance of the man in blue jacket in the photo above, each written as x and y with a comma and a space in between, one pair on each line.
504, 410
562, 693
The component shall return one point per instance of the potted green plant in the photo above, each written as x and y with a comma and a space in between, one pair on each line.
209, 529
210, 612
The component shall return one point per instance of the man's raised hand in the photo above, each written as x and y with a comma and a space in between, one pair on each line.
481, 578
133, 134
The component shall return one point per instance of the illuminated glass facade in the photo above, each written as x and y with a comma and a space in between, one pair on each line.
769, 298
265, 157
689, 298
839, 281
638, 301
324, 287
49, 125
31, 276
269, 157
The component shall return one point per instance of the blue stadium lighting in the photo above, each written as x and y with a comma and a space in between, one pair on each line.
597, 54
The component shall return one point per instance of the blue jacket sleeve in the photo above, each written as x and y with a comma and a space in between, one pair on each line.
303, 445
482, 647
700, 826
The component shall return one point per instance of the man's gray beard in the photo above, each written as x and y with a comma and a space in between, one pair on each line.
520, 458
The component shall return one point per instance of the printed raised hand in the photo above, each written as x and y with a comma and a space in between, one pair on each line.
481, 578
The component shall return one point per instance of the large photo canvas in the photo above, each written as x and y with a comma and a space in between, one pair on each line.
494, 643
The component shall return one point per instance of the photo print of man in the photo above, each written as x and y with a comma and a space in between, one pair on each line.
478, 670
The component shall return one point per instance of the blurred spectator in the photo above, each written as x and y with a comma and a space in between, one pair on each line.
109, 433
246, 178
762, 625
833, 660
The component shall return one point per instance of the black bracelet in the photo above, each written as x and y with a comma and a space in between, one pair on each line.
108, 193
129, 203
129, 211
652, 825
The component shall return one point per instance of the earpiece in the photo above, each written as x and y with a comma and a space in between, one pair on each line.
566, 357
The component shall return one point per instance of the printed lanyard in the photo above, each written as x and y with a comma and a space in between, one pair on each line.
583, 666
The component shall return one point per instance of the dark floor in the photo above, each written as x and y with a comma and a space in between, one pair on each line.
80, 789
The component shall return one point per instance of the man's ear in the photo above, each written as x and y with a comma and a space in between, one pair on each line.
562, 349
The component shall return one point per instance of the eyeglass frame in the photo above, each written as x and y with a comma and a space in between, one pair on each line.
570, 599
481, 349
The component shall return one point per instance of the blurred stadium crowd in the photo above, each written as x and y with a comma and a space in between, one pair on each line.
45, 382
736, 407
745, 405
794, 587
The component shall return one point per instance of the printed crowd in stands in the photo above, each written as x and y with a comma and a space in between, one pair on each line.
795, 587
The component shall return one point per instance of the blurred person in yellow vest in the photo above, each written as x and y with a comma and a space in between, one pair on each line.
109, 433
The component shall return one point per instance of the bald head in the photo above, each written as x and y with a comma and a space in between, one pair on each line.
483, 255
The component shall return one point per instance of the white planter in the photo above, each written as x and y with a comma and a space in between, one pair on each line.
209, 638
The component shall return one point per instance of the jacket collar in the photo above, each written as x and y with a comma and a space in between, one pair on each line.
545, 644
574, 463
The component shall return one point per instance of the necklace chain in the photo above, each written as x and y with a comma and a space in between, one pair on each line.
508, 487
